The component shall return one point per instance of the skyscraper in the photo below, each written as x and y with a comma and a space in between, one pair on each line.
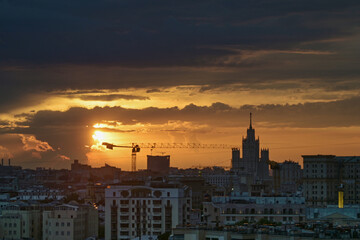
251, 163
250, 147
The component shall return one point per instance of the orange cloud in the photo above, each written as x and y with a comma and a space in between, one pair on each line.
31, 143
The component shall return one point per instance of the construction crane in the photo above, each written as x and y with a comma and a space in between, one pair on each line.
137, 146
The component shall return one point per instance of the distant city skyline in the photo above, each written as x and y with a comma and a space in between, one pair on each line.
79, 73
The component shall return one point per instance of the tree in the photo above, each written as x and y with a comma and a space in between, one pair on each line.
164, 236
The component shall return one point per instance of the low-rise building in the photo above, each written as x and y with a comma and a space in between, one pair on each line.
347, 216
40, 194
230, 210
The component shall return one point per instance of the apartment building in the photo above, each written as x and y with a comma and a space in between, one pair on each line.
20, 221
325, 175
223, 211
71, 222
145, 210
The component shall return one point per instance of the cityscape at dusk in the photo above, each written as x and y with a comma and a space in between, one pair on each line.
211, 120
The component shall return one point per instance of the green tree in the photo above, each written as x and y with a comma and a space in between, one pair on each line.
164, 236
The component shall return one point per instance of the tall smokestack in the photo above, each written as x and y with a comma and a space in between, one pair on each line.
9, 161
2, 162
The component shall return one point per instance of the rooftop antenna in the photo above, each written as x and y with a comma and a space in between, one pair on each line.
250, 120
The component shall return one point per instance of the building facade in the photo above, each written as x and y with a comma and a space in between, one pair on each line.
223, 211
71, 222
136, 211
325, 175
20, 221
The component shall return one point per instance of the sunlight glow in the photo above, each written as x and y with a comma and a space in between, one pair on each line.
99, 136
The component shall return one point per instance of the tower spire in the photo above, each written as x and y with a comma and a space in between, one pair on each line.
250, 120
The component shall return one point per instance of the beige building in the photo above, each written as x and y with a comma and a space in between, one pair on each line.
71, 222
20, 221
325, 175
134, 211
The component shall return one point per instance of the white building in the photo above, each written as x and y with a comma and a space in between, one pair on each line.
220, 180
40, 194
71, 222
134, 211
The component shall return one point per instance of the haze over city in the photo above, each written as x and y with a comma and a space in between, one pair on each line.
74, 74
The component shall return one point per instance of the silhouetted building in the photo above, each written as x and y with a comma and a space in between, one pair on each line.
235, 160
84, 172
250, 149
159, 164
251, 163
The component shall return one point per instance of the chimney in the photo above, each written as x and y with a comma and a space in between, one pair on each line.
2, 162
9, 162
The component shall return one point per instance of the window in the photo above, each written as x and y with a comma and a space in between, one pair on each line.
68, 224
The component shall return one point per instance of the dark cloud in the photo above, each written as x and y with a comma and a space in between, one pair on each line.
112, 97
86, 48
153, 90
164, 33
317, 114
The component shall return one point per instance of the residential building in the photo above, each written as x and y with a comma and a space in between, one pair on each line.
199, 188
229, 210
40, 193
287, 177
326, 175
145, 210
70, 221
20, 221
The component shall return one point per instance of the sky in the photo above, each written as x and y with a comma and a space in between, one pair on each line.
76, 73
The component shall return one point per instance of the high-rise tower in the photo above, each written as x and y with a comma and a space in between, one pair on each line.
250, 151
